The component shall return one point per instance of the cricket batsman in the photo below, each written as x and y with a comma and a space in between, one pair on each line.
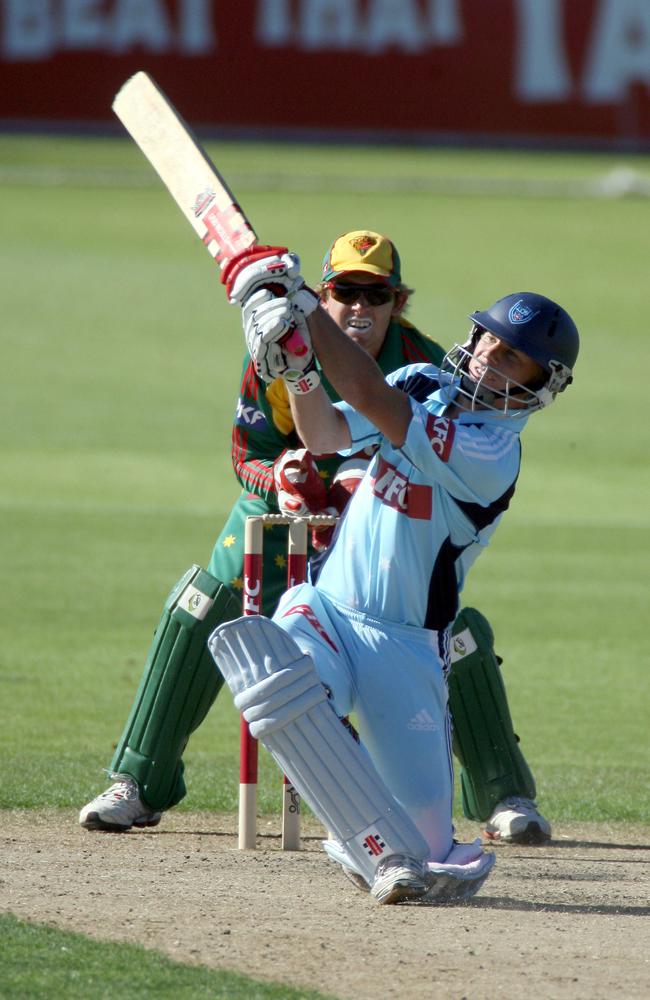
361, 289
370, 632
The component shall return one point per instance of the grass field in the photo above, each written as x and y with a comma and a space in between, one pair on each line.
121, 362
41, 962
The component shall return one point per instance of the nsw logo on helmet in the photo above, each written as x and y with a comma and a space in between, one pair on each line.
521, 313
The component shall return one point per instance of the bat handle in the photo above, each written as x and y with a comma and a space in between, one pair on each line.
292, 341
294, 344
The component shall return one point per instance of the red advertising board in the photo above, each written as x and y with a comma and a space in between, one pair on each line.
569, 71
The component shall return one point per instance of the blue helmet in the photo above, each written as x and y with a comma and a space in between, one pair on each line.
530, 323
537, 326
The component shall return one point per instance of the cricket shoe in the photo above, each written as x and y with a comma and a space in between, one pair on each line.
460, 877
399, 880
517, 821
118, 808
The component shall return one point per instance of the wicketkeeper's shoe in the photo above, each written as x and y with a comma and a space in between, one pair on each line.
518, 821
118, 808
399, 879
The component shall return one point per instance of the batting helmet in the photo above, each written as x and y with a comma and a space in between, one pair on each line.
538, 327
535, 325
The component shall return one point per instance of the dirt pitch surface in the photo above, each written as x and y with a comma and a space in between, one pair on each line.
566, 920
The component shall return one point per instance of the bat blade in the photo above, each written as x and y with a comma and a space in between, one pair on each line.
185, 168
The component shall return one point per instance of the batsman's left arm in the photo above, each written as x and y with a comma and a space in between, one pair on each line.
358, 380
320, 425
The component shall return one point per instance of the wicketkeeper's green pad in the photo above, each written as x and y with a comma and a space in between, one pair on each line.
492, 765
178, 686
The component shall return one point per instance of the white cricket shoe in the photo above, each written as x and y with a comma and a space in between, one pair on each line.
399, 879
118, 808
518, 821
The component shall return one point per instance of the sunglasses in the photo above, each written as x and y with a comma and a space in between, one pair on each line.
375, 295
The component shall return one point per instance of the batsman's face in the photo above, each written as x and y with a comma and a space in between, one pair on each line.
363, 322
496, 364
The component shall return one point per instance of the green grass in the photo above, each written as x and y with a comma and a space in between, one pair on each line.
39, 963
121, 362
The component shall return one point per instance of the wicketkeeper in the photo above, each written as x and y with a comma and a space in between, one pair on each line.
362, 290
370, 632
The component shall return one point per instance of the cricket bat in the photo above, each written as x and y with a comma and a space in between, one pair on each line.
189, 174
210, 207
185, 168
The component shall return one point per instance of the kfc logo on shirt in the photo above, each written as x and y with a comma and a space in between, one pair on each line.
440, 431
395, 490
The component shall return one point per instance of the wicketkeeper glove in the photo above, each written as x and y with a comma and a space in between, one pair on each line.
300, 489
348, 476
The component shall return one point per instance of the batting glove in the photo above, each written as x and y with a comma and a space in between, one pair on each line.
303, 377
261, 267
277, 337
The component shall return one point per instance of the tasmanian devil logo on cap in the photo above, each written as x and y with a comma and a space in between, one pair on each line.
521, 313
362, 244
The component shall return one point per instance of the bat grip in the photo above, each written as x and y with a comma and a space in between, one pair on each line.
293, 343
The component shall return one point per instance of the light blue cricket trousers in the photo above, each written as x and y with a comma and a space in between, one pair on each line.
392, 677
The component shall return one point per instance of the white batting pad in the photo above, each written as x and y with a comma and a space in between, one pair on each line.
278, 691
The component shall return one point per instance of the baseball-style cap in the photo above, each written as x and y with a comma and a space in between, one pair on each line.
363, 250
